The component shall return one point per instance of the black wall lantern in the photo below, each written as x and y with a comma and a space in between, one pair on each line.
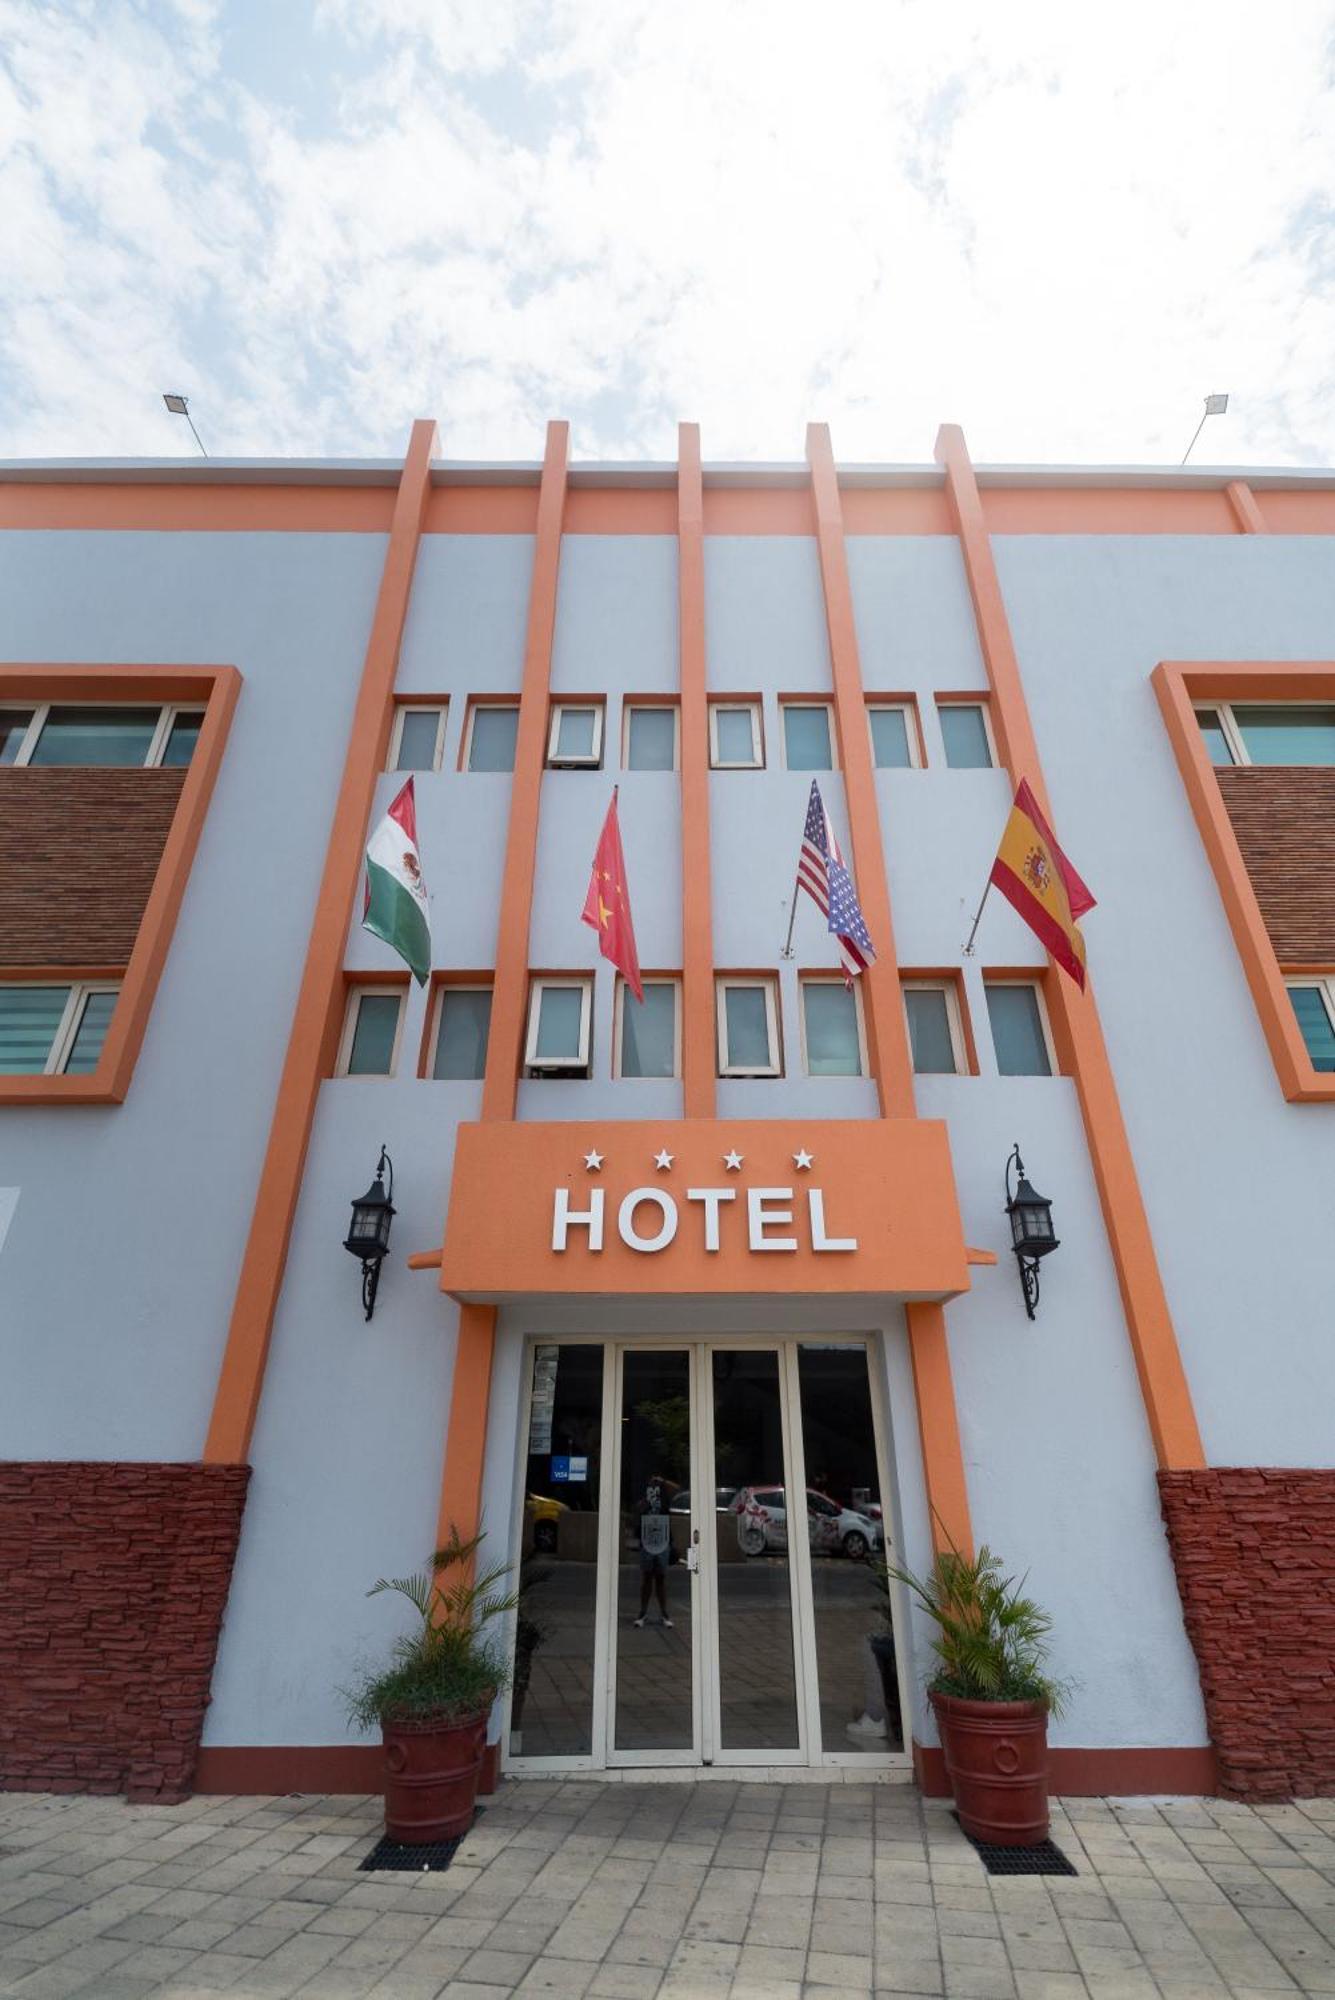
368, 1236
1031, 1228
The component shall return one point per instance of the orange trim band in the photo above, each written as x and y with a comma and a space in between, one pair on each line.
316, 1021
1163, 1382
699, 1093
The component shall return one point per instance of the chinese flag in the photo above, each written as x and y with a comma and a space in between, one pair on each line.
1035, 877
607, 905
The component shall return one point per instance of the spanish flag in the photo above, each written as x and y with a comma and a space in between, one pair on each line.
1035, 877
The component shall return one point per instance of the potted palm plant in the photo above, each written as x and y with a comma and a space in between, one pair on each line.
432, 1700
991, 1694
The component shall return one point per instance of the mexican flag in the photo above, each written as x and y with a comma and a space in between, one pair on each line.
396, 902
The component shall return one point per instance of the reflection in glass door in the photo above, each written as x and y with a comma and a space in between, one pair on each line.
654, 1707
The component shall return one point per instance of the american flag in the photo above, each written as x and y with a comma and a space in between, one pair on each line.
821, 872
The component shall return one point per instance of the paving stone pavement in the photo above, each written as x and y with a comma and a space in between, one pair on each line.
702, 1891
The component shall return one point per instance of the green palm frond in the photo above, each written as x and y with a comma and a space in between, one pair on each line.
991, 1640
447, 1664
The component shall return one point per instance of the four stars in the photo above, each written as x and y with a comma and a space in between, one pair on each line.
732, 1161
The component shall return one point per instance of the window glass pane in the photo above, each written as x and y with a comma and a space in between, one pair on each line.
96, 736
461, 1038
559, 1012
1315, 1024
757, 1685
655, 1596
90, 1034
1215, 740
1288, 734
649, 1032
965, 736
806, 738
417, 739
29, 1017
651, 737
492, 745
184, 734
575, 729
373, 1036
831, 1015
890, 738
929, 1032
736, 745
13, 725
748, 1027
1017, 1031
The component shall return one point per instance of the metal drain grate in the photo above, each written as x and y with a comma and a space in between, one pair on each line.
1044, 1858
430, 1858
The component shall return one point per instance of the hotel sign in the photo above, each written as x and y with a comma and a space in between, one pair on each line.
705, 1206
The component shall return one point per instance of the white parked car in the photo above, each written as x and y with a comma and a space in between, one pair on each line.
762, 1524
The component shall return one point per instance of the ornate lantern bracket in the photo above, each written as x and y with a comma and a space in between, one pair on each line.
1032, 1235
368, 1232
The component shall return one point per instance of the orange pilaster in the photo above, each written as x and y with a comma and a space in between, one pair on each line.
697, 930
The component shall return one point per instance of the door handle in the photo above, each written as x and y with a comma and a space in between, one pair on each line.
693, 1560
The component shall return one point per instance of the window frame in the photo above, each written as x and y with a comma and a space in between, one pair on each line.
1035, 983
954, 1021
358, 990
809, 979
536, 1066
746, 704
1231, 729
594, 761
630, 706
168, 714
476, 704
979, 701
803, 701
441, 710
672, 979
908, 708
1324, 984
769, 985
427, 1071
67, 1028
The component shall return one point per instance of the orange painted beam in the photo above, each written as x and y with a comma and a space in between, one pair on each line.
509, 1000
315, 1021
1163, 1382
697, 925
466, 1436
1246, 507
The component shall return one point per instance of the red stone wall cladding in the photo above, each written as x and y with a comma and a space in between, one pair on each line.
1284, 819
113, 1582
1254, 1551
78, 853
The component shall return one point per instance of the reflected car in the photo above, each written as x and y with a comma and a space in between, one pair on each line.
545, 1515
762, 1524
723, 1499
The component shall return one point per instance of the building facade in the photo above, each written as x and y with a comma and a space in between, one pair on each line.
657, 1269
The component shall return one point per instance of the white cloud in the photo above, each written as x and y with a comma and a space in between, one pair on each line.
1057, 227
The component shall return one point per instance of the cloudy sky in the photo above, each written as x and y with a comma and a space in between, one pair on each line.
1059, 225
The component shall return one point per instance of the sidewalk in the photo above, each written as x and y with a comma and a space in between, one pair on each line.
714, 1891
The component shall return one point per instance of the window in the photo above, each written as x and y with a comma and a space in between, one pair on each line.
66, 734
832, 1038
1314, 1004
650, 737
54, 1030
807, 737
558, 1027
493, 731
371, 1032
459, 1040
417, 738
936, 1039
748, 1027
1019, 1031
647, 1035
735, 742
894, 736
576, 737
965, 733
1271, 733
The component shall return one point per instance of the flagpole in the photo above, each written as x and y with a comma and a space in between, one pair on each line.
978, 917
787, 951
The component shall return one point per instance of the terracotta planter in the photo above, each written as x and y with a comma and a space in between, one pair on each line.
431, 1777
997, 1761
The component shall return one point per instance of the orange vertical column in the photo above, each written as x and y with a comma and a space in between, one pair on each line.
465, 1441
1246, 507
887, 1032
697, 913
310, 1047
1163, 1381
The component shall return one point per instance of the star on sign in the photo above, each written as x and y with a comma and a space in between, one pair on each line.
802, 1159
592, 1162
663, 1159
733, 1162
